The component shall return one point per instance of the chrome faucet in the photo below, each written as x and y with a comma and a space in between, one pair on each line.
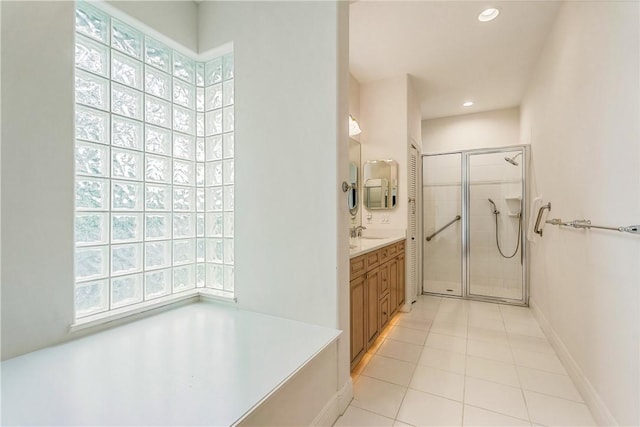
356, 231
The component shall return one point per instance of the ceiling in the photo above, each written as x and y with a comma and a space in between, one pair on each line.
451, 56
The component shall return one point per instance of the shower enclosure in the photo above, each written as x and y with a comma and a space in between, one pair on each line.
474, 218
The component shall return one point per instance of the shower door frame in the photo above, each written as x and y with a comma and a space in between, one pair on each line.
465, 156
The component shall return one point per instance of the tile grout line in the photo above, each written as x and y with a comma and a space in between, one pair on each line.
375, 353
493, 411
404, 395
369, 411
464, 386
524, 399
406, 390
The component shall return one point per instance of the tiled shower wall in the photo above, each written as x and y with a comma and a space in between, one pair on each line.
490, 177
490, 273
442, 201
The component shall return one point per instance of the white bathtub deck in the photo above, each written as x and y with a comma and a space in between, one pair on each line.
201, 364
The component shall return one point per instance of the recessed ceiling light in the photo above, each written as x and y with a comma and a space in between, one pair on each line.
488, 14
468, 104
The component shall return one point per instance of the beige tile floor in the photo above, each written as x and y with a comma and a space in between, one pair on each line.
463, 363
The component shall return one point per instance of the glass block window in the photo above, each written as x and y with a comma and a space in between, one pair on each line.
154, 164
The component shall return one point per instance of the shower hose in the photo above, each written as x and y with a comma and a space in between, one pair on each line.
517, 245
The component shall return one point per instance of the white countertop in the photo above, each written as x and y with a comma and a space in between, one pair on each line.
362, 245
201, 364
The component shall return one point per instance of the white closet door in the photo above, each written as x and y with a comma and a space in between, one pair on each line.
412, 250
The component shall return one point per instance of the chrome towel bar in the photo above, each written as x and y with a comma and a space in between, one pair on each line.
457, 218
585, 223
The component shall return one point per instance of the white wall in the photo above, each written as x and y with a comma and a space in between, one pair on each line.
580, 114
285, 267
0, 174
37, 163
37, 174
383, 119
497, 128
175, 19
291, 249
414, 116
355, 151
354, 101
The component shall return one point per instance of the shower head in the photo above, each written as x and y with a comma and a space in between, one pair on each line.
512, 160
495, 209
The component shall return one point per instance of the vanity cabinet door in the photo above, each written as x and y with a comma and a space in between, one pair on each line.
384, 279
358, 301
393, 285
384, 311
372, 283
401, 280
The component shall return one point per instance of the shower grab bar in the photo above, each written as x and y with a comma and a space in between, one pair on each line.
585, 223
536, 228
457, 218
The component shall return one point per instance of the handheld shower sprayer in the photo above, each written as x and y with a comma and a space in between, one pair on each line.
496, 212
495, 209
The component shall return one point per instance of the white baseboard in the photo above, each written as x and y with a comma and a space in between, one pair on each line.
345, 395
405, 308
335, 406
599, 410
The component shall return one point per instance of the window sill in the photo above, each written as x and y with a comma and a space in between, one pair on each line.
115, 317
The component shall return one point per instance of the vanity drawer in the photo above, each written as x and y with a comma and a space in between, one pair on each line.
373, 259
384, 254
393, 250
400, 247
358, 266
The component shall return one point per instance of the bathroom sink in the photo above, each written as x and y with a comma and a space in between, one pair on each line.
373, 237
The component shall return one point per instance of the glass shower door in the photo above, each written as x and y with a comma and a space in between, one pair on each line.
442, 224
495, 194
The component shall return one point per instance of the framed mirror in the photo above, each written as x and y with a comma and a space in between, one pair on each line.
353, 195
380, 184
353, 190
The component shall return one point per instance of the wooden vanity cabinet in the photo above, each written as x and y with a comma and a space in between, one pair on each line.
384, 311
358, 303
401, 277
377, 290
393, 284
372, 283
384, 280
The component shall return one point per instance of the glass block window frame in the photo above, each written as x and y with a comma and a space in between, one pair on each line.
154, 211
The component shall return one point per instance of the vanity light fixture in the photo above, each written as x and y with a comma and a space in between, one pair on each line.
468, 104
488, 14
354, 128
